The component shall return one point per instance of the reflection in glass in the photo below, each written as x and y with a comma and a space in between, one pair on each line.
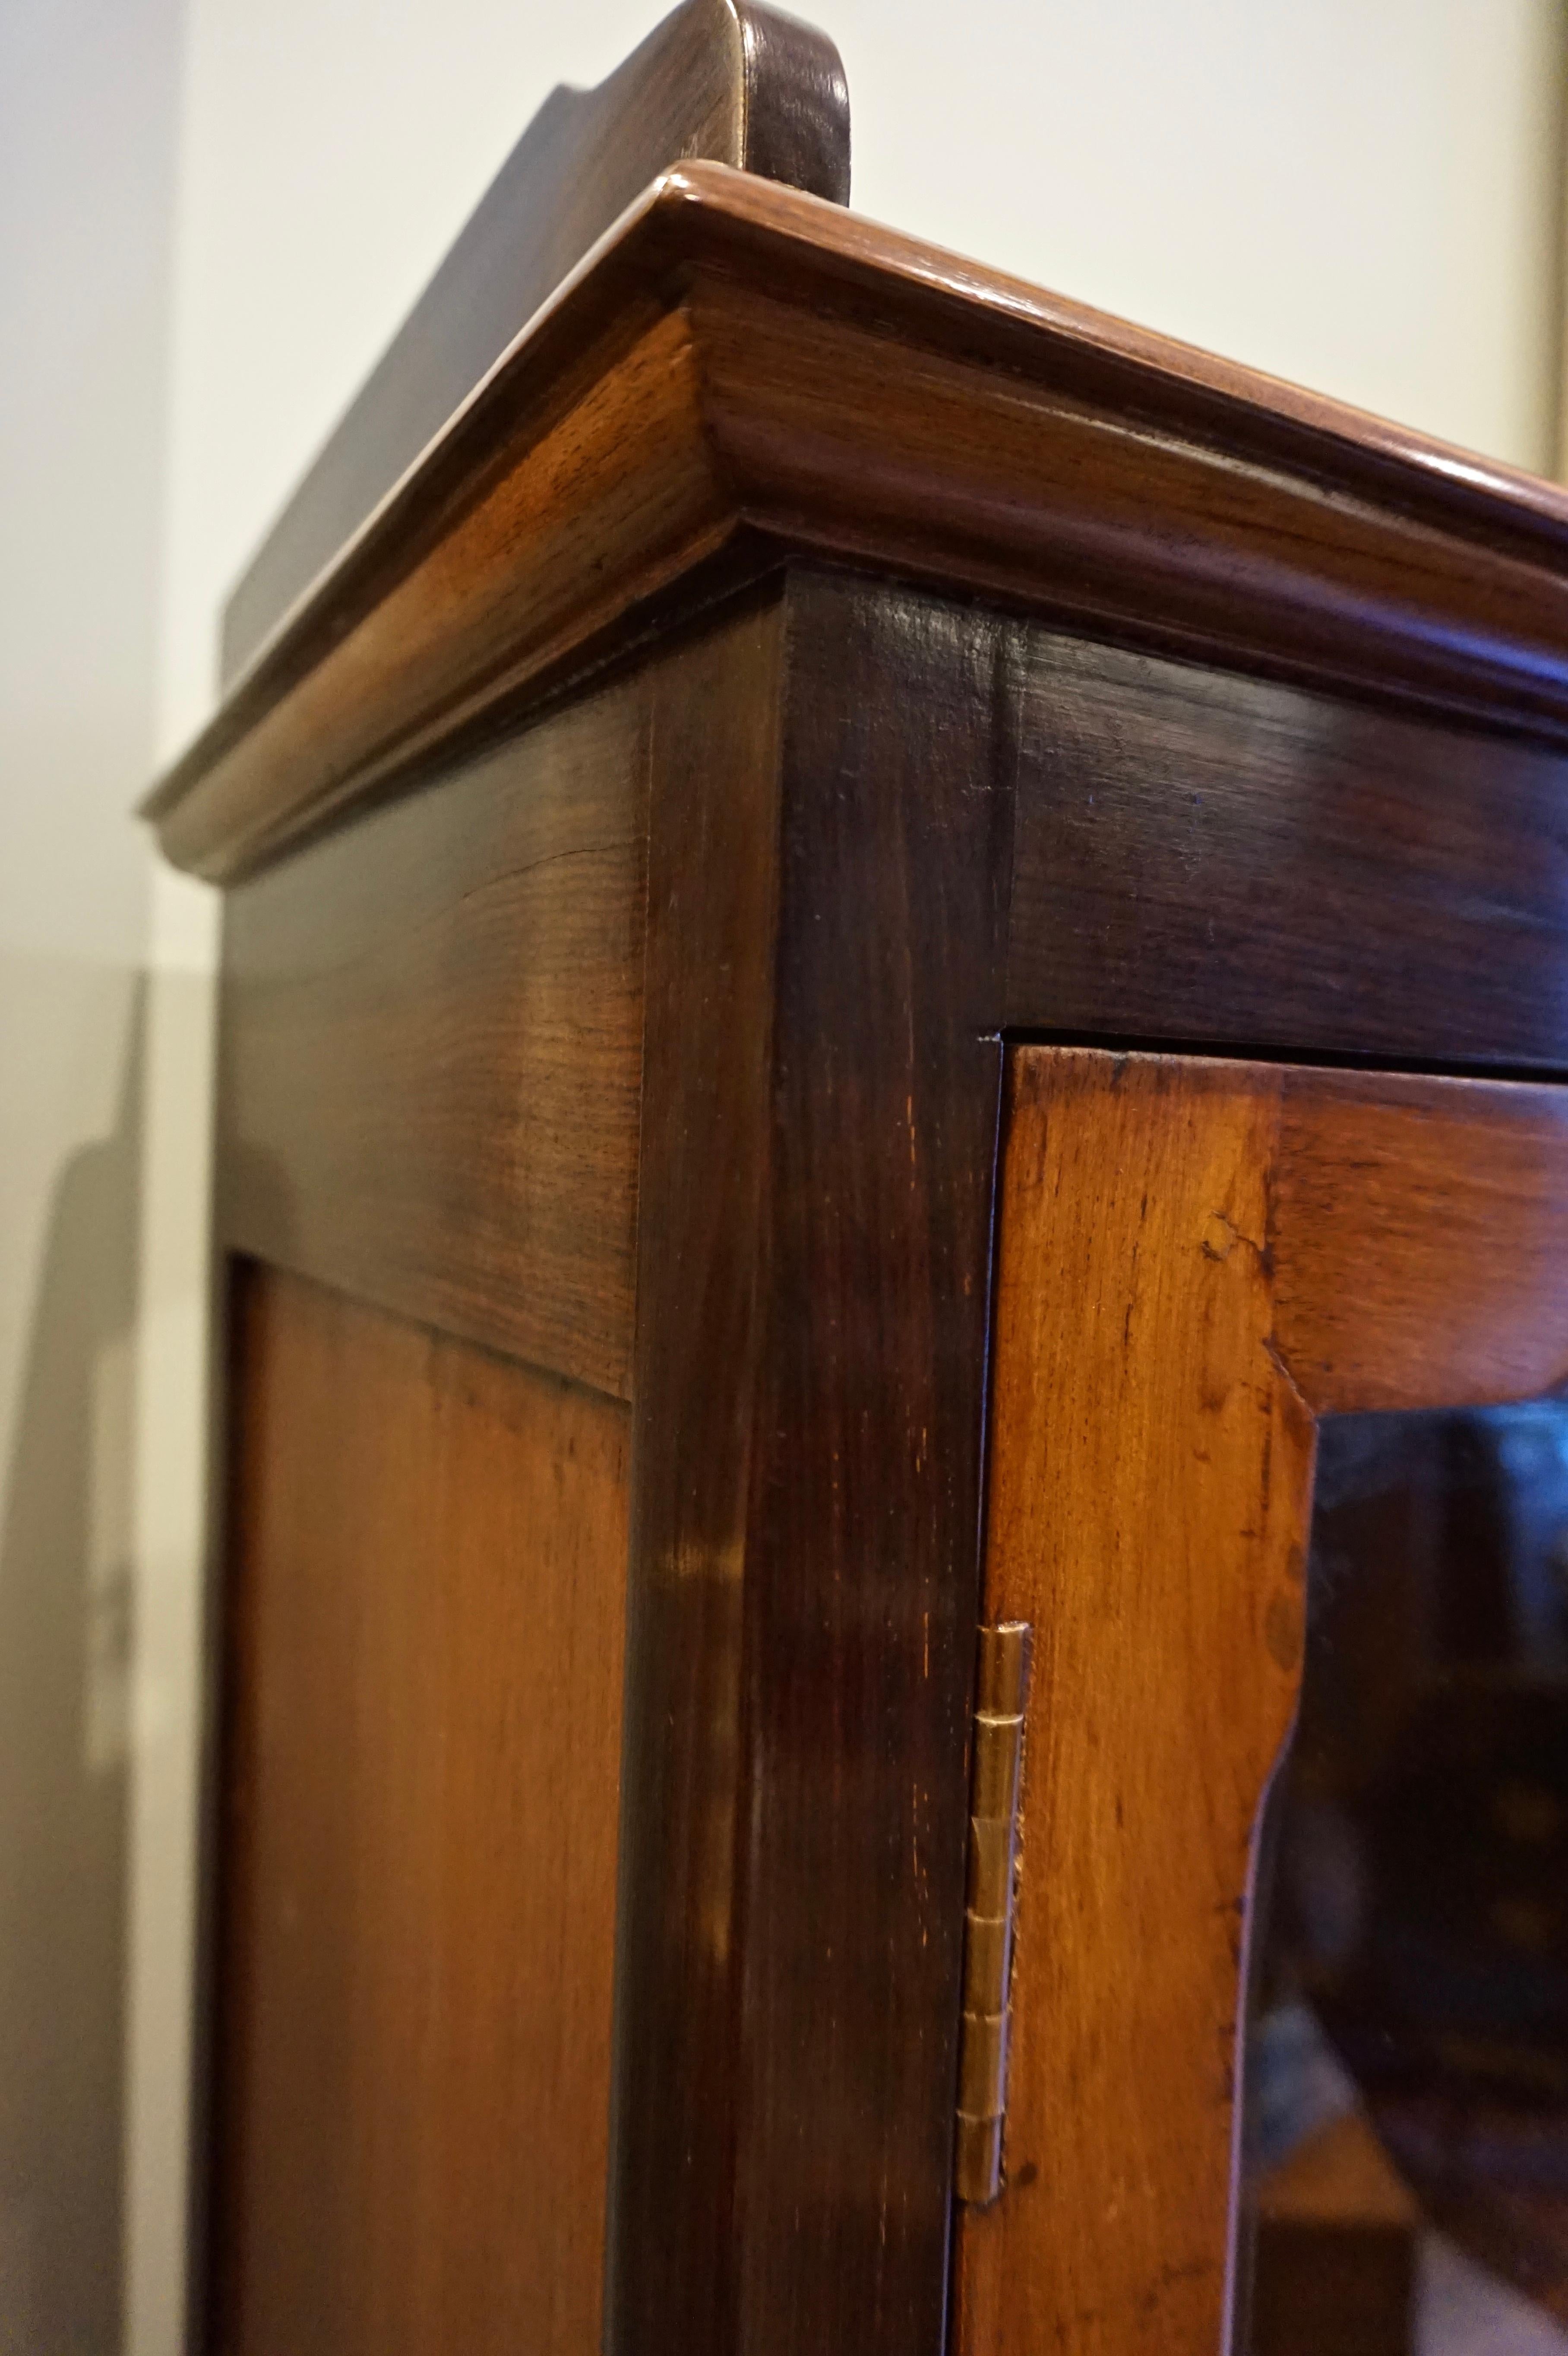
1406, 2132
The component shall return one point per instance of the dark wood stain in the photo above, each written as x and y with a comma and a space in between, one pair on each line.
730, 79
427, 1566
830, 840
432, 1046
808, 661
1202, 857
606, 504
679, 2037
741, 359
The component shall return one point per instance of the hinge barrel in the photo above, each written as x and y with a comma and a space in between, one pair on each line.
1002, 1692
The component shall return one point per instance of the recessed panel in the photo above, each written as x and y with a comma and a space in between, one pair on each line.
417, 1859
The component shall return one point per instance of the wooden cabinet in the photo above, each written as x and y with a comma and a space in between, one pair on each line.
879, 932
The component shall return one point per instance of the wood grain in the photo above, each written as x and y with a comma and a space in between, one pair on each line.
740, 358
1206, 858
1149, 1497
426, 1591
432, 1045
962, 474
1420, 1240
1196, 1256
601, 510
831, 833
730, 79
713, 928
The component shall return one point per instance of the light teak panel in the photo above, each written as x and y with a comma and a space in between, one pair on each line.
1150, 1498
1196, 1257
428, 1581
1420, 1240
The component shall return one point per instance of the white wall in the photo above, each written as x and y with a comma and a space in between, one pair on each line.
88, 137
1363, 194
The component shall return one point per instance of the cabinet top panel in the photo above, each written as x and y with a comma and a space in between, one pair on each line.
737, 370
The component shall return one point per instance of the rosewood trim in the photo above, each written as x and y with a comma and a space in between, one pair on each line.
830, 835
889, 404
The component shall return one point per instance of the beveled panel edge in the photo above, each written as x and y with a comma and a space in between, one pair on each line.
543, 1344
887, 403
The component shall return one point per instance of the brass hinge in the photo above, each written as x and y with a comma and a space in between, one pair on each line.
1001, 1693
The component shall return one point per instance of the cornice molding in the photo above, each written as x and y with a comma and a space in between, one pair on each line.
738, 371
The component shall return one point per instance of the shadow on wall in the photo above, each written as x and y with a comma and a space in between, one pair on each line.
65, 1655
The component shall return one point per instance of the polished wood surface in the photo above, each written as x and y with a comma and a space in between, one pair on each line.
733, 80
1148, 1503
613, 499
431, 1064
884, 401
418, 1865
1159, 807
1194, 1256
1208, 859
711, 931
809, 676
1420, 1240
826, 887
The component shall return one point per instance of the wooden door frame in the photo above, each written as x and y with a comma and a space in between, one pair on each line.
1196, 1258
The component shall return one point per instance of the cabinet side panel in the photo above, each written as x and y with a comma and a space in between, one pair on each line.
432, 1041
417, 1859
